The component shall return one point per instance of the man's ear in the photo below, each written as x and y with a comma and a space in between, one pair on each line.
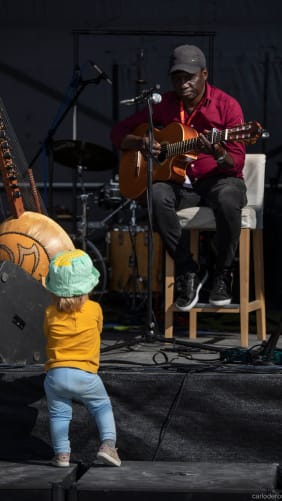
205, 73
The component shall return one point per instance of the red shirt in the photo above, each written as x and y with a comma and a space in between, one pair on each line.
217, 109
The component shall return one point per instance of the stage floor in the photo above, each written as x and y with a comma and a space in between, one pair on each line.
140, 480
126, 341
198, 405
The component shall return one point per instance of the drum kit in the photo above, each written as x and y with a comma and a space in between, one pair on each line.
123, 265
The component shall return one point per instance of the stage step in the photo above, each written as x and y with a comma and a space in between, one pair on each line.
34, 480
146, 480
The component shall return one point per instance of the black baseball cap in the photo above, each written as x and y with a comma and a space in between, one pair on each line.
187, 58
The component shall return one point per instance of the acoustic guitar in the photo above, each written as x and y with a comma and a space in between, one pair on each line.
177, 143
28, 238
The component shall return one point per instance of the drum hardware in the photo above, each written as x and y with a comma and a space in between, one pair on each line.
110, 195
83, 225
133, 207
135, 280
126, 251
127, 272
72, 153
81, 241
81, 238
94, 225
124, 269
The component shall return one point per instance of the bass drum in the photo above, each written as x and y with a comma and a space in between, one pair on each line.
128, 260
31, 240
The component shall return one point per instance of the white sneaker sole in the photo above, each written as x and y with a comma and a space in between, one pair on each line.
196, 298
223, 302
109, 460
60, 464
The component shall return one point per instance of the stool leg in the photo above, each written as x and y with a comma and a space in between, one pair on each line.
259, 282
244, 254
194, 249
193, 324
169, 291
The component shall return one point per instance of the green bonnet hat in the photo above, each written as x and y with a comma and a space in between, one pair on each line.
71, 273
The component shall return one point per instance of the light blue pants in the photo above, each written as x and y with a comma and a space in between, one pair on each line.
62, 385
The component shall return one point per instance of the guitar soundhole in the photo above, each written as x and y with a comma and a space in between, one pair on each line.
163, 154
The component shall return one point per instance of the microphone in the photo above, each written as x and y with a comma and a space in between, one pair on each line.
102, 73
154, 98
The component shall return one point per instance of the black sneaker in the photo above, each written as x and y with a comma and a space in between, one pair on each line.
220, 294
188, 287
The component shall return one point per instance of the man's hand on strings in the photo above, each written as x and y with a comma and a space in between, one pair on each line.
145, 148
141, 143
216, 150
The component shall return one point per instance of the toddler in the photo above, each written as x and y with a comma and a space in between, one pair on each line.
72, 325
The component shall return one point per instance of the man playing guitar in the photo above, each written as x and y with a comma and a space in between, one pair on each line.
212, 175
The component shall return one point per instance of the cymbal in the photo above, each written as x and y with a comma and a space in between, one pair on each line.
73, 153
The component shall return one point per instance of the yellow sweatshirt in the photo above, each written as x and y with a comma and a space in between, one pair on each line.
73, 339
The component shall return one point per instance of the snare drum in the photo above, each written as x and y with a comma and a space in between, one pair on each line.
128, 259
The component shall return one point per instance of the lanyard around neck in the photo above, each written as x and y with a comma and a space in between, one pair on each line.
190, 118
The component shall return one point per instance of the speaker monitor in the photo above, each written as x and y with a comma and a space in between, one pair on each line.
22, 304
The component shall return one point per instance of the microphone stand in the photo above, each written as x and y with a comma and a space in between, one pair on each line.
150, 327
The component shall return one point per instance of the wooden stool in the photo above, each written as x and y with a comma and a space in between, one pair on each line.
199, 219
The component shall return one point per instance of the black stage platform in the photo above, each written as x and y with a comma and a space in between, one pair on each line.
190, 425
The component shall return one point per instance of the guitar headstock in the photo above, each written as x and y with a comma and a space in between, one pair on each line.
248, 133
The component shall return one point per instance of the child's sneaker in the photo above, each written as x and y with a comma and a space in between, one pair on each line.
108, 455
62, 460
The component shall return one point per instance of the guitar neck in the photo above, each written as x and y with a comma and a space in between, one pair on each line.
193, 144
